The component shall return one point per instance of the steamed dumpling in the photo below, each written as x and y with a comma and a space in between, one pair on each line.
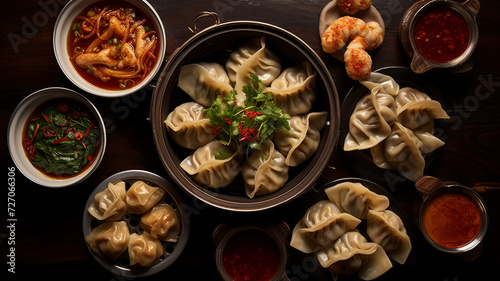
213, 165
109, 204
401, 151
294, 90
417, 114
320, 226
409, 95
161, 222
142, 197
302, 140
109, 240
264, 171
370, 123
356, 199
204, 82
144, 250
252, 57
387, 229
189, 126
353, 253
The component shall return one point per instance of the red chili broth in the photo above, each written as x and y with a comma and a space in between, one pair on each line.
72, 103
251, 255
441, 35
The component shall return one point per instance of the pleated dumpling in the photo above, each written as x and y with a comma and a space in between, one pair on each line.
213, 165
370, 123
141, 197
252, 57
409, 95
355, 199
161, 222
320, 226
417, 114
189, 126
264, 171
352, 253
204, 81
109, 204
302, 140
294, 90
401, 151
387, 229
144, 250
109, 240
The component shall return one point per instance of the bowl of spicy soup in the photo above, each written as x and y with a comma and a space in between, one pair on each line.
453, 218
56, 137
440, 34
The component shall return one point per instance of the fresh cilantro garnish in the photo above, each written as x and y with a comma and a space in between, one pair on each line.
251, 124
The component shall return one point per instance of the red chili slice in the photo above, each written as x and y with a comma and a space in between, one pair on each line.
45, 117
62, 106
36, 131
34, 119
89, 129
32, 151
60, 140
75, 114
49, 132
27, 142
78, 135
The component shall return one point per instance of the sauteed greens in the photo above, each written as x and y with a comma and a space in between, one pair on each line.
61, 139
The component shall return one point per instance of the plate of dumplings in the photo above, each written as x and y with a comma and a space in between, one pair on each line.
352, 228
392, 125
134, 224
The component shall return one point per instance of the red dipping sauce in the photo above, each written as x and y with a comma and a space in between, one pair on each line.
441, 35
452, 219
251, 255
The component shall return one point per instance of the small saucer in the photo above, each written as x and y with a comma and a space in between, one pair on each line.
332, 12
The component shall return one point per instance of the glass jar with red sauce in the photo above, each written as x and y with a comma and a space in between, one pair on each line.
453, 218
252, 252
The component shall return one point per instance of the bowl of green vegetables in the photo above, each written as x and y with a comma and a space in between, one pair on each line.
56, 137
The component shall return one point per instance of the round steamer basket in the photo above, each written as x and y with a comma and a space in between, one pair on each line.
171, 250
214, 44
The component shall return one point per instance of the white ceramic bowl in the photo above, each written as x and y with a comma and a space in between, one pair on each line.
15, 135
62, 27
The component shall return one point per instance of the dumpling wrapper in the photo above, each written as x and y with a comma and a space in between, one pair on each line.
387, 229
141, 197
109, 240
109, 204
353, 253
320, 226
161, 222
355, 199
144, 250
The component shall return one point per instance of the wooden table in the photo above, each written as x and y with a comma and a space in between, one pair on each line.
48, 233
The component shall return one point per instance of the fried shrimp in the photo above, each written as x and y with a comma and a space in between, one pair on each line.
353, 6
358, 62
364, 37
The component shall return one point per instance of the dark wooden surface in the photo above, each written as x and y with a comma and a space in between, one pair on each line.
48, 234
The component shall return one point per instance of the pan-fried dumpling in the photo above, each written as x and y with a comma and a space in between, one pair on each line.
355, 199
352, 253
401, 151
142, 197
320, 226
189, 126
109, 204
144, 250
109, 240
264, 171
161, 222
387, 229
295, 89
252, 57
417, 114
204, 81
213, 165
370, 123
302, 140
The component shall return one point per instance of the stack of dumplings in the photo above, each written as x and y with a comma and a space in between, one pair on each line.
264, 171
397, 125
111, 238
329, 228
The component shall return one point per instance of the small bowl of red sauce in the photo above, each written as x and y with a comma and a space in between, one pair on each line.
440, 34
453, 218
251, 252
